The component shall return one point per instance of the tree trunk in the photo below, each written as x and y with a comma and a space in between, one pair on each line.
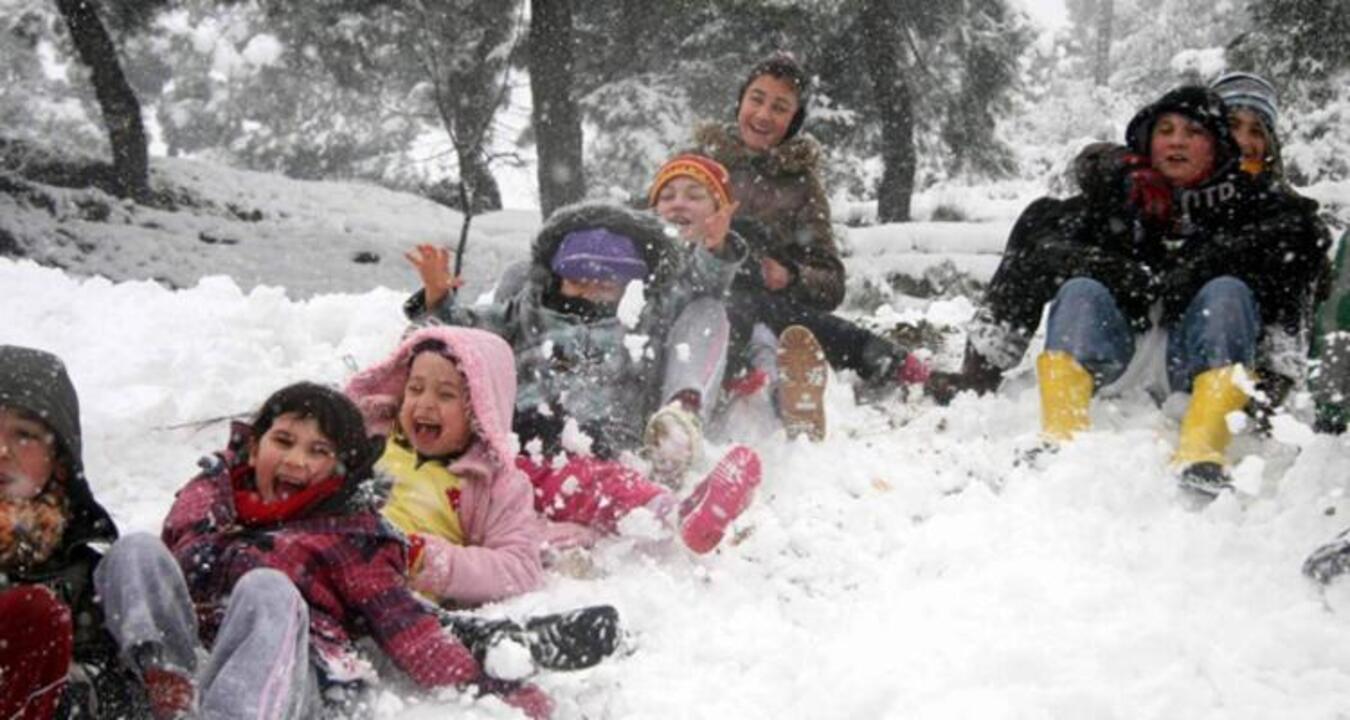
1101, 62
894, 103
484, 194
121, 109
556, 117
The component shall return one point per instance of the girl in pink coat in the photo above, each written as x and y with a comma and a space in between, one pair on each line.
445, 397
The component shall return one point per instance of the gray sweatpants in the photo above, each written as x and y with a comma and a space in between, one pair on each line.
259, 667
696, 352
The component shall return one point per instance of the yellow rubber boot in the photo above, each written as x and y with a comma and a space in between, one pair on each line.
1204, 429
1066, 392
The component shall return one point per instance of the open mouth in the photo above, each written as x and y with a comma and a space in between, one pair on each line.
424, 432
287, 486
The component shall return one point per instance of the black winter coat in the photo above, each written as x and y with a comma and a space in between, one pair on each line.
1235, 224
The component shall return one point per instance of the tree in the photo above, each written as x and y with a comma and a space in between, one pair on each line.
555, 114
121, 109
894, 104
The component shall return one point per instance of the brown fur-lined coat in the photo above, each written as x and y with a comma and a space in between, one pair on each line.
782, 189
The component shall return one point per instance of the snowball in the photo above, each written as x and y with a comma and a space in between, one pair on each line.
508, 659
631, 304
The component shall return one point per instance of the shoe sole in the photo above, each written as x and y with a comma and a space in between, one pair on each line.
802, 376
705, 515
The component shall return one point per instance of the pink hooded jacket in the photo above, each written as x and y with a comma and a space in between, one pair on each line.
500, 557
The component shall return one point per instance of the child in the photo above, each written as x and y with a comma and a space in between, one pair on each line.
444, 380
280, 550
49, 521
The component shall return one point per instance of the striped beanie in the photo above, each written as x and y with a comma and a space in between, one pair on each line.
704, 170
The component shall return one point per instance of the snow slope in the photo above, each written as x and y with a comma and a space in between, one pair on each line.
914, 565
909, 567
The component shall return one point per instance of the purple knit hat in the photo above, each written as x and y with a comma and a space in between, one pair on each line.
598, 254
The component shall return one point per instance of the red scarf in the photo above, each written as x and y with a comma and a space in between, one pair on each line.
251, 509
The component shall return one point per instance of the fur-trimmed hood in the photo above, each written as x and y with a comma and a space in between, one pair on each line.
799, 155
642, 227
489, 368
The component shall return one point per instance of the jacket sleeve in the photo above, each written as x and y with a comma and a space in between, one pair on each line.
496, 318
708, 274
198, 510
502, 557
819, 272
407, 631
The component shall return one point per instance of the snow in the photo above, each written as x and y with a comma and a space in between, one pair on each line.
920, 563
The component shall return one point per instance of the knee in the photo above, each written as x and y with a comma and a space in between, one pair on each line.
137, 549
1225, 289
1083, 289
266, 587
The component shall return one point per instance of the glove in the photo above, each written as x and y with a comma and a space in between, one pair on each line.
915, 370
1147, 191
430, 564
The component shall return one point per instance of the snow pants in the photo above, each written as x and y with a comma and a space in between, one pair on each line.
1220, 327
37, 641
259, 666
592, 492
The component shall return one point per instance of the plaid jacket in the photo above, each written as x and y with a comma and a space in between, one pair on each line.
349, 566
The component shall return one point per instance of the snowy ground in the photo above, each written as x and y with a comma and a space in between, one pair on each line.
911, 566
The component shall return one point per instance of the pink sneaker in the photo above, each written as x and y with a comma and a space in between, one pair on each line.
719, 499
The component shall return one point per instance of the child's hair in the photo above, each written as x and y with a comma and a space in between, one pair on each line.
337, 416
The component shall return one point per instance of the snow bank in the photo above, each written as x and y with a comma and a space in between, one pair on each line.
912, 566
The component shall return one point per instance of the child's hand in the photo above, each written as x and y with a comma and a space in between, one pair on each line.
716, 227
776, 275
433, 266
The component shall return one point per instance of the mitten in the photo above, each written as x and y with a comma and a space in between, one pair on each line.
430, 564
915, 370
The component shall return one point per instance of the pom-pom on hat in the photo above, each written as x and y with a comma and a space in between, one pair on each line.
1253, 92
598, 254
783, 66
704, 170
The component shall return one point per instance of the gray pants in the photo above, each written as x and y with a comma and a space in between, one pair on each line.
696, 352
259, 668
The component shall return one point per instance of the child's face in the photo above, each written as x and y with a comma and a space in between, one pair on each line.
600, 292
435, 411
292, 455
27, 455
1181, 149
766, 111
685, 203
1250, 134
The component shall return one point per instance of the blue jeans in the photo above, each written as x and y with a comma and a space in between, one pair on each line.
1219, 328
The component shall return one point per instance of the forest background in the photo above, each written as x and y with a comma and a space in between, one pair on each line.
568, 99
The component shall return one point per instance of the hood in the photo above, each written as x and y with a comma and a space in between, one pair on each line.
37, 381
642, 227
1196, 102
798, 155
489, 368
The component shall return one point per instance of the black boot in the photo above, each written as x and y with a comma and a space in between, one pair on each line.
573, 640
976, 374
563, 641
